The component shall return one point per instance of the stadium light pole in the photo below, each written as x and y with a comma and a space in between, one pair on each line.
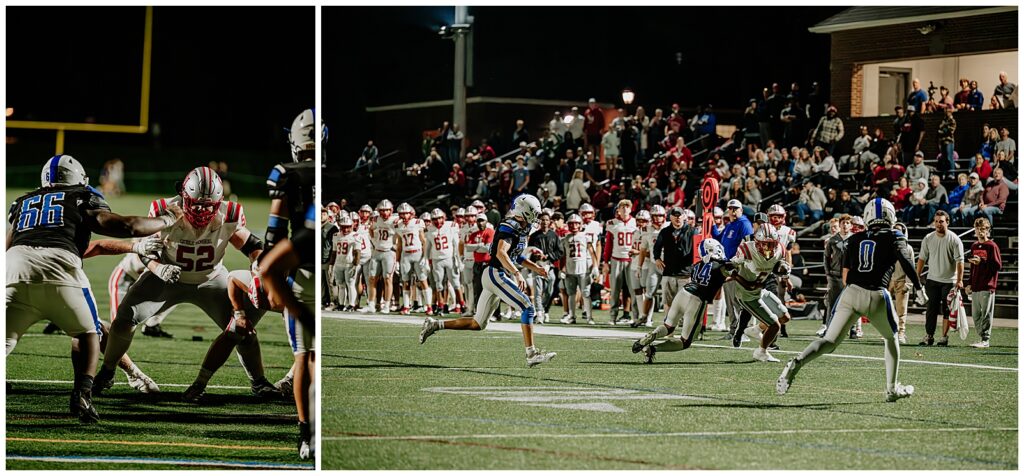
459, 31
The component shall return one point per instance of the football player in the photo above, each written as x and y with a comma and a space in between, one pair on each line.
382, 262
618, 242
409, 232
636, 276
867, 269
48, 234
442, 238
346, 246
506, 253
365, 251
578, 251
328, 228
706, 279
756, 263
651, 274
291, 184
468, 227
197, 245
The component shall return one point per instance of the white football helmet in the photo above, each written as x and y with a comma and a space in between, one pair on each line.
643, 215
574, 223
63, 170
461, 212
879, 212
710, 249
425, 216
201, 193
472, 212
527, 207
657, 210
384, 209
437, 213
301, 137
477, 204
366, 208
344, 221
717, 212
586, 208
777, 215
766, 240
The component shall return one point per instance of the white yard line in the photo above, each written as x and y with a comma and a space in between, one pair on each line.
617, 334
813, 431
151, 461
66, 382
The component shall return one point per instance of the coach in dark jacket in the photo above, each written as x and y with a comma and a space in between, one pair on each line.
673, 255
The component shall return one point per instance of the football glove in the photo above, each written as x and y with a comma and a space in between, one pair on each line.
168, 273
149, 248
920, 298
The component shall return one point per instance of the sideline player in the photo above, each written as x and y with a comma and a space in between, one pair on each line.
442, 239
48, 233
409, 232
577, 250
867, 268
382, 261
618, 243
506, 252
346, 245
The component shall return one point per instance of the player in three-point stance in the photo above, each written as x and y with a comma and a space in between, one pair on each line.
706, 278
502, 280
867, 267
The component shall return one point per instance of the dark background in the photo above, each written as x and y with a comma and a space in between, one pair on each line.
225, 80
391, 55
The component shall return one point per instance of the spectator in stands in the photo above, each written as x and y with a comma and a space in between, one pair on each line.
962, 99
521, 134
848, 205
576, 192
972, 199
861, 156
901, 287
886, 176
825, 167
993, 201
457, 181
918, 170
776, 103
576, 123
453, 141
793, 118
897, 123
812, 201
643, 123
368, 158
989, 139
520, 177
985, 262
804, 167
943, 252
918, 202
676, 194
945, 100
566, 168
1002, 97
656, 133
558, 127
801, 276
947, 128
610, 143
832, 204
772, 186
917, 97
1009, 169
549, 185
976, 100
751, 194
980, 166
911, 134
900, 196
829, 131
956, 197
654, 195
1006, 144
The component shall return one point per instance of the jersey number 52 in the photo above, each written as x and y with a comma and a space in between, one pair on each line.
204, 255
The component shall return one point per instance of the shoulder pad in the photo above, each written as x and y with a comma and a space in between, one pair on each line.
275, 182
509, 226
94, 191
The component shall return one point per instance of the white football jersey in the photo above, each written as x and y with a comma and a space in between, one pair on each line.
577, 255
464, 232
132, 265
345, 247
365, 248
199, 253
754, 266
595, 231
650, 236
621, 236
638, 240
443, 241
787, 236
410, 234
383, 236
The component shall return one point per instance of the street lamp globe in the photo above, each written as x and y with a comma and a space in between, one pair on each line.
628, 96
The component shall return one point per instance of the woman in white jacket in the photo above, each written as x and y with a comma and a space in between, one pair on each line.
610, 142
576, 193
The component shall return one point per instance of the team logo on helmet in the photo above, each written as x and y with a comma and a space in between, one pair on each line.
766, 240
201, 193
526, 207
63, 170
574, 223
710, 249
879, 212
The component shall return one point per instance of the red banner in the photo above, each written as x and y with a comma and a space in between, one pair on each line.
706, 212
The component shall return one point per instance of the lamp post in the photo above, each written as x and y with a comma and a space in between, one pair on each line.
459, 32
627, 98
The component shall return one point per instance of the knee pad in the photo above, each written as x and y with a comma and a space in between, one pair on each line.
527, 316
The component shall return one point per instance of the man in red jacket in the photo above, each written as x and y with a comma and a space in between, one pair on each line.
592, 127
985, 265
993, 200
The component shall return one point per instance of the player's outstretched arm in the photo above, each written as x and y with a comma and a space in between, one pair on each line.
106, 222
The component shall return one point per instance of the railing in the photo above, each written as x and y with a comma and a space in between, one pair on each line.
705, 136
420, 194
379, 160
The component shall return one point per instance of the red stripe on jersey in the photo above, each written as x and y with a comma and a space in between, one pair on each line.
231, 211
163, 205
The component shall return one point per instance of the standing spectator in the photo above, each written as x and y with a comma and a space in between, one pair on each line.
593, 125
826, 166
947, 128
654, 196
945, 100
454, 142
917, 170
793, 120
586, 163
985, 265
566, 168
549, 186
911, 134
993, 200
656, 133
815, 103
776, 102
521, 134
829, 131
975, 100
764, 125
610, 143
368, 158
1006, 144
971, 200
520, 177
1002, 97
917, 97
812, 201
558, 127
961, 101
576, 122
943, 253
900, 287
576, 192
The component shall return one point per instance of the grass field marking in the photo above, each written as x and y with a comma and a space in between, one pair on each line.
613, 334
153, 443
66, 382
178, 462
544, 396
350, 437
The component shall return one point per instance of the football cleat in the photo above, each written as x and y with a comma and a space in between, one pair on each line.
405, 311
943, 342
386, 310
305, 441
103, 381
194, 393
590, 321
900, 391
649, 352
155, 331
786, 379
430, 326
430, 311
81, 407
981, 344
142, 383
762, 355
262, 388
539, 357
902, 336
285, 385
821, 330
51, 328
752, 332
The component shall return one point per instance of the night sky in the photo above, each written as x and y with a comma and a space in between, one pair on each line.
391, 55
221, 77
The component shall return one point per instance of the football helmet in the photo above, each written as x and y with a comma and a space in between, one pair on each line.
574, 223
472, 212
688, 215
345, 221
766, 240
301, 138
384, 209
717, 212
437, 213
461, 212
366, 208
527, 207
477, 204
879, 212
201, 193
777, 215
63, 170
643, 215
405, 212
425, 216
657, 210
710, 249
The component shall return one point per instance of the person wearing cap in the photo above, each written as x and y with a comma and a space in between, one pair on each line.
918, 202
911, 134
521, 135
917, 170
673, 255
971, 200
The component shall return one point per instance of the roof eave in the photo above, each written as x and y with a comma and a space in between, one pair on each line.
912, 19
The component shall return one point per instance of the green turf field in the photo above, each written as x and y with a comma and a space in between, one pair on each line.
232, 429
466, 400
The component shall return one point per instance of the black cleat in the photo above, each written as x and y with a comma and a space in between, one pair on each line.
103, 381
155, 331
81, 407
782, 331
736, 339
649, 352
52, 328
264, 389
637, 347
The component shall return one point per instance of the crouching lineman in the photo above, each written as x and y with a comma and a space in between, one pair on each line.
757, 263
578, 251
706, 279
48, 234
506, 251
867, 268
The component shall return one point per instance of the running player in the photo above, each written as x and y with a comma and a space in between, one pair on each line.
506, 253
756, 262
706, 279
867, 269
